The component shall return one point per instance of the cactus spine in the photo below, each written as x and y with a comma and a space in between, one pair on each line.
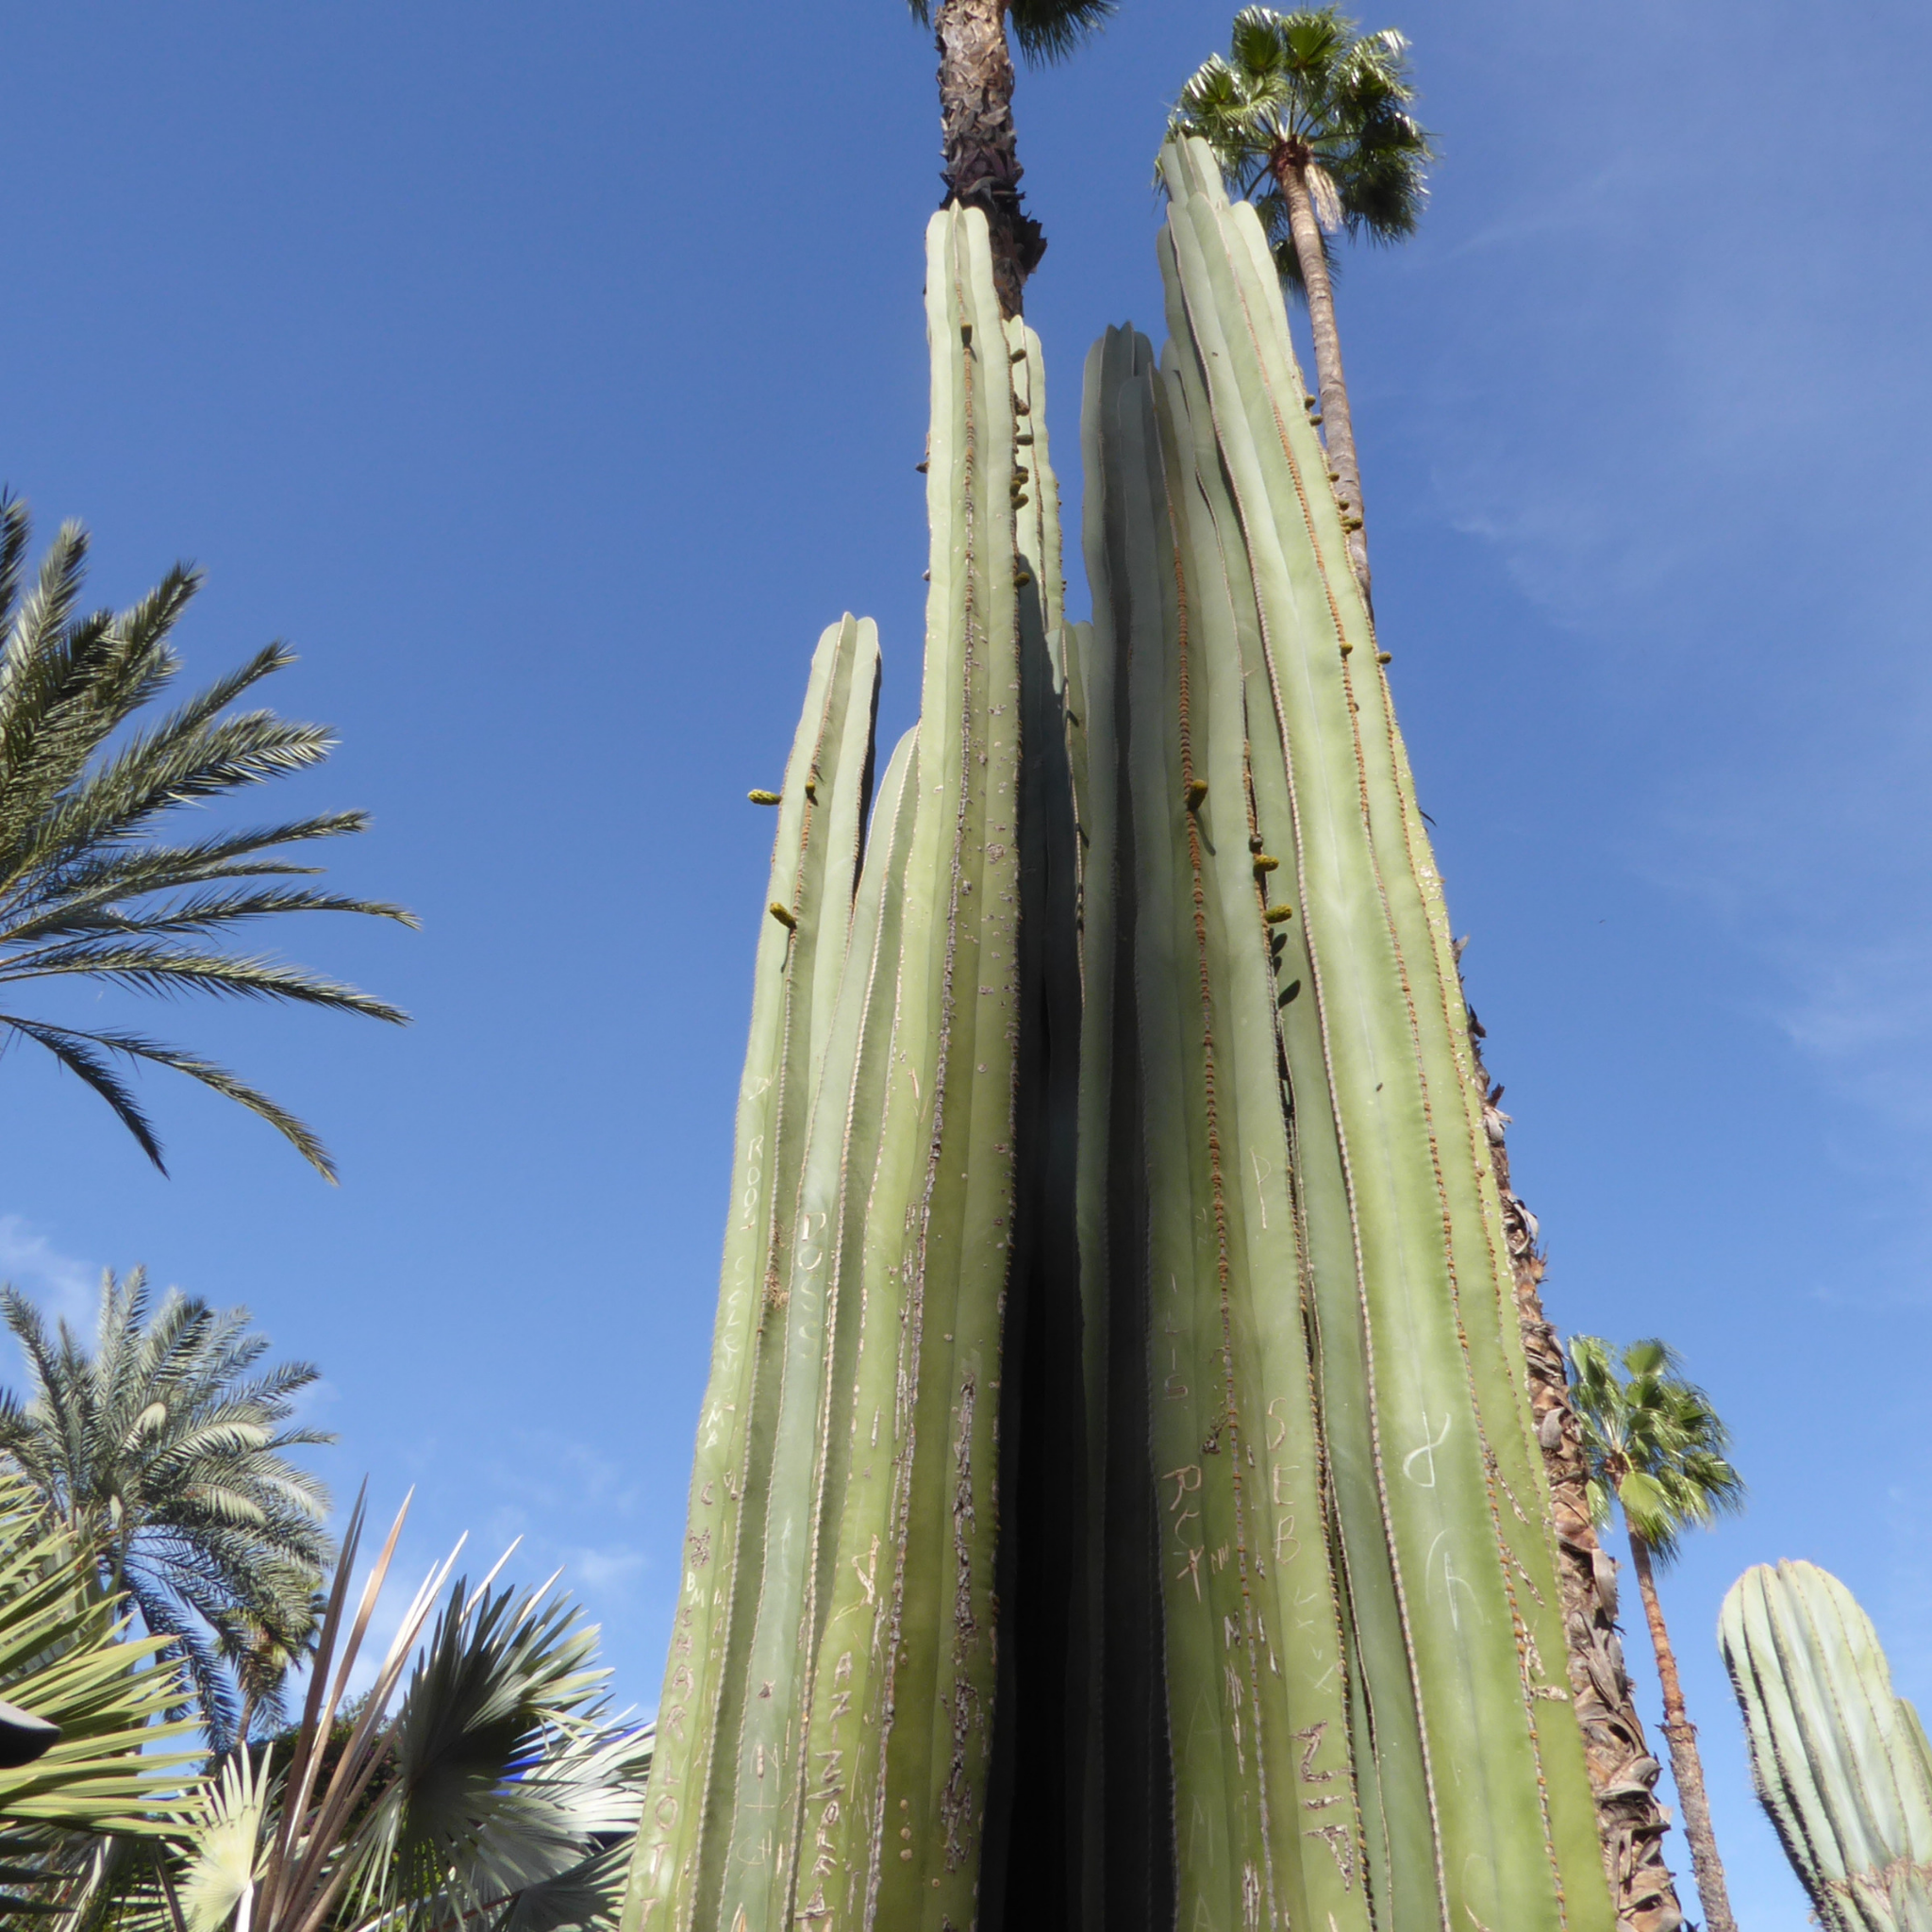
1841, 1763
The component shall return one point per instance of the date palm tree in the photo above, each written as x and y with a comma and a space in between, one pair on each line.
1656, 1446
88, 889
162, 1453
982, 162
1311, 121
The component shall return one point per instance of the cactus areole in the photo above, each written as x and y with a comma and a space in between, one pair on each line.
1117, 1504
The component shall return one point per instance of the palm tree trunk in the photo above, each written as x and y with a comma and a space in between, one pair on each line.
1687, 1768
1630, 1822
982, 158
1337, 426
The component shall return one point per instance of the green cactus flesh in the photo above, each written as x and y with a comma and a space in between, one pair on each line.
1115, 1505
1840, 1763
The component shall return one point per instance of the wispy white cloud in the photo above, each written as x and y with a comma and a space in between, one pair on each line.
609, 1572
66, 1286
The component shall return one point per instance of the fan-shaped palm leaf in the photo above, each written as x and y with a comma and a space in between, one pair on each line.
1311, 121
485, 1786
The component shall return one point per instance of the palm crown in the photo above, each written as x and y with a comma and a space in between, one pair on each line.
1047, 30
162, 1452
1653, 1440
1303, 90
87, 887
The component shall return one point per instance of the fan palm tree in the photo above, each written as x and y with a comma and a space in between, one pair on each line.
1656, 1446
162, 1454
982, 163
87, 887
1312, 121
486, 1784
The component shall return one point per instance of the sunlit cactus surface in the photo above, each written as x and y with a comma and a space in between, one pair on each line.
1116, 1505
1840, 1763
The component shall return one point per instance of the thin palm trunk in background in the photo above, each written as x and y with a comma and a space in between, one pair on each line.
982, 158
1687, 1767
1337, 429
1655, 1445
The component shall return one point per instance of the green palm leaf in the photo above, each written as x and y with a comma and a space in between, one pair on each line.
164, 1454
66, 1655
87, 888
1047, 30
1305, 88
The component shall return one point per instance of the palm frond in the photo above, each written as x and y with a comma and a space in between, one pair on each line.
1653, 1440
107, 874
1047, 30
87, 888
165, 1448
16, 533
1303, 90
78, 1053
1050, 30
73, 1048
161, 969
120, 800
66, 1655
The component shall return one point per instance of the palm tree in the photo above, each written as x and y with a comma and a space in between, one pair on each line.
86, 888
485, 1783
161, 1453
65, 1654
1311, 121
1655, 1445
982, 163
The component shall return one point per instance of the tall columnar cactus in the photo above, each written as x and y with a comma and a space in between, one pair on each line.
828, 1727
1275, 831
1840, 1763
802, 941
1116, 1501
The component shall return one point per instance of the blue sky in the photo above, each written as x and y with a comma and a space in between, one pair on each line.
550, 377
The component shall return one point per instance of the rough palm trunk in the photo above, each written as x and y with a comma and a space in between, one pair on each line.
1622, 1773
1337, 429
1687, 1768
982, 160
